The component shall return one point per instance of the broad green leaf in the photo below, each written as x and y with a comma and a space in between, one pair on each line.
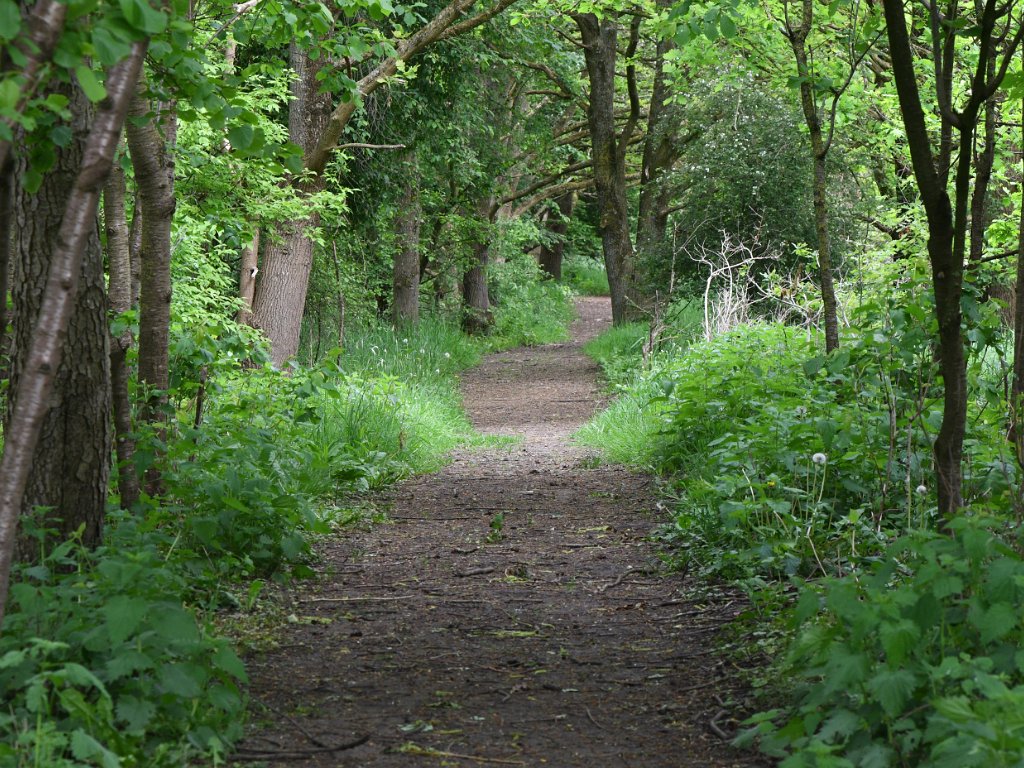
10, 20
135, 713
91, 86
123, 615
85, 747
184, 680
892, 689
996, 622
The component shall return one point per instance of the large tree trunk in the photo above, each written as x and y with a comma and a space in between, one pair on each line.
33, 392
609, 164
405, 282
151, 139
476, 300
71, 462
119, 297
280, 296
819, 152
551, 253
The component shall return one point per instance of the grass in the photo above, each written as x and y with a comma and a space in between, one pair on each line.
585, 275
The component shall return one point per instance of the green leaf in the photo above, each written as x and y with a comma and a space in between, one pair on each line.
728, 26
135, 712
142, 16
997, 622
92, 87
109, 49
227, 660
174, 624
184, 680
123, 615
898, 639
10, 20
892, 688
85, 747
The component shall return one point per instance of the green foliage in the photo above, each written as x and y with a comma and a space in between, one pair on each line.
916, 662
528, 309
101, 664
585, 275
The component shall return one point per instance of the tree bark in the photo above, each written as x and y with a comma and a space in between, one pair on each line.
405, 282
135, 248
609, 163
659, 154
478, 317
151, 139
30, 407
6, 216
119, 298
947, 219
551, 254
247, 277
280, 295
819, 152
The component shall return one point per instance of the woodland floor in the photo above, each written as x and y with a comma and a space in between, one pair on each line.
561, 643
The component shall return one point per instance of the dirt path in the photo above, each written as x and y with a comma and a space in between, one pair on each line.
551, 639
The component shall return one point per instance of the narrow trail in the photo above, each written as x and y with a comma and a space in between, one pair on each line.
558, 642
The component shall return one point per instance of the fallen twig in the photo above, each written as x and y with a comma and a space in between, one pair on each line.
716, 728
475, 572
254, 755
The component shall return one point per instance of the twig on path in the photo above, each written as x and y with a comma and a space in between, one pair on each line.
457, 551
475, 572
606, 587
298, 726
428, 752
254, 755
716, 728
593, 720
354, 599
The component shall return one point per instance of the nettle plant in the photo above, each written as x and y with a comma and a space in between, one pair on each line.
916, 662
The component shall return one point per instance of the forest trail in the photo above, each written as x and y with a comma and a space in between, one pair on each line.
551, 639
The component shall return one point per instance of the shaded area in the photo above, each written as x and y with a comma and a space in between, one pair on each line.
512, 614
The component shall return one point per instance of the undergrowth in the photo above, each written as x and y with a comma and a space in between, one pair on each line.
806, 479
585, 275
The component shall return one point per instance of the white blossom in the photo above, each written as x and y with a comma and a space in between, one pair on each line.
819, 458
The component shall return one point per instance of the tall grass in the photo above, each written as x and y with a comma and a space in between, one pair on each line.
585, 275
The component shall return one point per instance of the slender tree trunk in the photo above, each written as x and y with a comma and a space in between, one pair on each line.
405, 302
280, 295
983, 176
151, 140
247, 277
6, 216
819, 152
609, 164
119, 297
478, 317
31, 406
1017, 385
135, 248
551, 254
658, 156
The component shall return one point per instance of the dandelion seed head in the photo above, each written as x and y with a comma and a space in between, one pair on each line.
922, 490
819, 458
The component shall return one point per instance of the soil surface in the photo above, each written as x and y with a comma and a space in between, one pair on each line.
512, 612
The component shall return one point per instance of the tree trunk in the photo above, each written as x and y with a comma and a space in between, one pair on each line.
405, 301
71, 463
29, 408
153, 161
135, 248
247, 277
119, 297
476, 300
6, 215
551, 253
658, 156
609, 164
1017, 385
819, 152
280, 295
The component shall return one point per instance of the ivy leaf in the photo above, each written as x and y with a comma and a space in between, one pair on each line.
92, 87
